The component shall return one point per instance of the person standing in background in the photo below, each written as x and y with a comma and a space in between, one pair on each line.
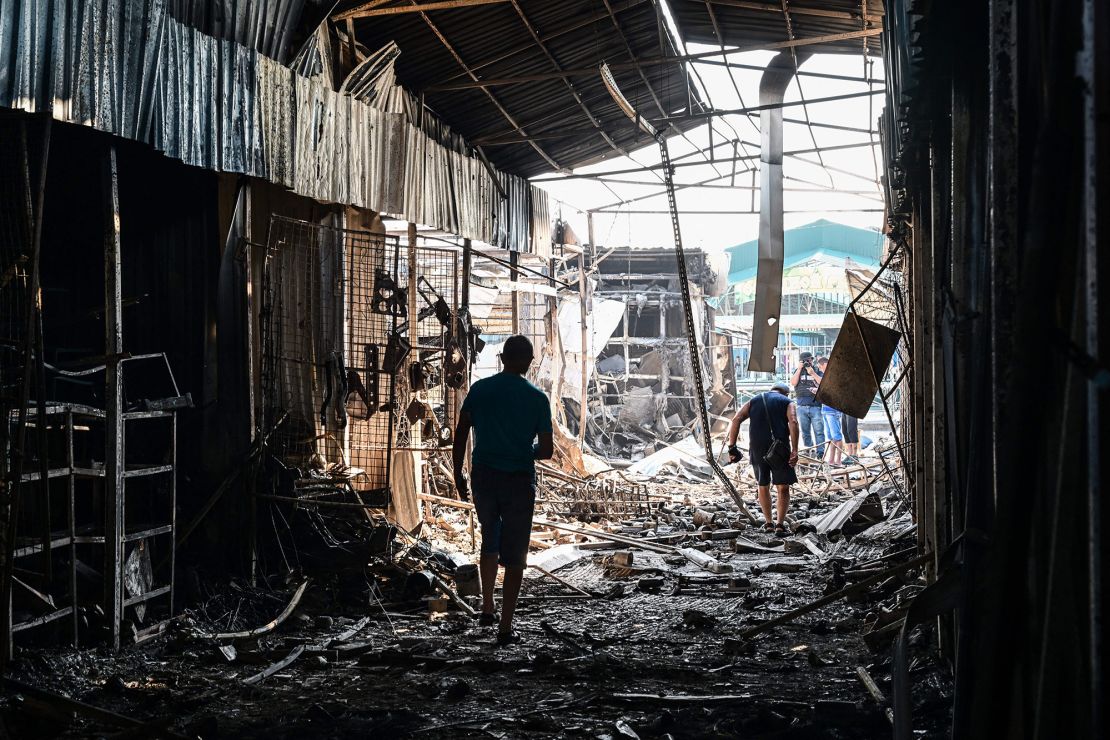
831, 417
805, 380
849, 425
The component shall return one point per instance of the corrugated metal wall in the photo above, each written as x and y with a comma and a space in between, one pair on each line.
128, 68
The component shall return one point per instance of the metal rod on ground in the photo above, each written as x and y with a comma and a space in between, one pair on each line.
557, 579
269, 626
273, 668
88, 710
453, 595
629, 541
875, 691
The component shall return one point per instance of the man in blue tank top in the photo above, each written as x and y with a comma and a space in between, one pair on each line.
773, 417
511, 419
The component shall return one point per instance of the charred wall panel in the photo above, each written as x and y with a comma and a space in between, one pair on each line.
989, 178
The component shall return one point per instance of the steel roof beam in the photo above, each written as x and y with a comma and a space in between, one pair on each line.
640, 71
708, 185
687, 212
493, 98
373, 9
570, 87
655, 61
794, 78
743, 111
719, 160
634, 64
511, 138
797, 10
591, 71
819, 75
731, 76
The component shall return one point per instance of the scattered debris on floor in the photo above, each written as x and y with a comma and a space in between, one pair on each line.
650, 609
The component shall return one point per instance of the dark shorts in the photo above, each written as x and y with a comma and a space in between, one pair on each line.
765, 475
504, 503
850, 424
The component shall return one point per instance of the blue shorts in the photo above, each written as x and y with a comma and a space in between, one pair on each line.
832, 426
504, 503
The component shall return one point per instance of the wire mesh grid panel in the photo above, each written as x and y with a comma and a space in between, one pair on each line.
428, 388
376, 350
331, 304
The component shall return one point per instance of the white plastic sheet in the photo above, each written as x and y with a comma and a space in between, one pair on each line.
601, 322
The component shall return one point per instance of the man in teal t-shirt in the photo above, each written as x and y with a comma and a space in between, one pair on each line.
511, 419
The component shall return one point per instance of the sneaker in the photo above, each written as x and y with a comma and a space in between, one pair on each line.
487, 619
506, 638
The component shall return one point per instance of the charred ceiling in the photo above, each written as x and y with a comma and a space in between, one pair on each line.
555, 122
520, 77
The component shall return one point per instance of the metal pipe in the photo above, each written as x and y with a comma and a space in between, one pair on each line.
768, 291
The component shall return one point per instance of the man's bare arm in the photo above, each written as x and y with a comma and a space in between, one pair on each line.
792, 424
734, 425
458, 453
545, 450
796, 377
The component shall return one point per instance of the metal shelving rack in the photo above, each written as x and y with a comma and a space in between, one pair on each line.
71, 419
67, 537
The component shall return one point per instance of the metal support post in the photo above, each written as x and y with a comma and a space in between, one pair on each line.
1094, 73
248, 297
584, 318
414, 337
584, 359
467, 257
514, 275
113, 399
